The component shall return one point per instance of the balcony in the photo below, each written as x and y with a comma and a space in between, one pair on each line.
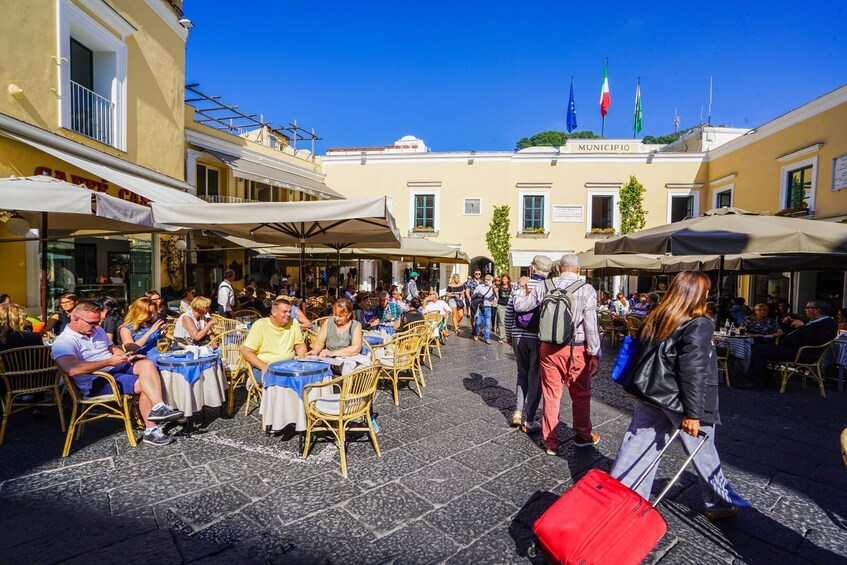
215, 199
92, 115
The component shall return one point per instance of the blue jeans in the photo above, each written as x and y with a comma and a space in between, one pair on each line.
483, 315
648, 433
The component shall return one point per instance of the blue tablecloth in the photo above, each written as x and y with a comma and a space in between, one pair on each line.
296, 374
372, 340
388, 328
188, 366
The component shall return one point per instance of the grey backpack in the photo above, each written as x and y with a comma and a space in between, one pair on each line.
556, 313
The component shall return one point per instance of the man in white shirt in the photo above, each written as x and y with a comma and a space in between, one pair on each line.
226, 294
434, 304
83, 348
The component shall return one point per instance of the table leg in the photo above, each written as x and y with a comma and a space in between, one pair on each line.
841, 378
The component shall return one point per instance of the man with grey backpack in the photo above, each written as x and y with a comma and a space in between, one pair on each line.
570, 348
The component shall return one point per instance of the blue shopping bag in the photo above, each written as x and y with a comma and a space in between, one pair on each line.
625, 362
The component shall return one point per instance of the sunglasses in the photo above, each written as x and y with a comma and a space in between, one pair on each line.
90, 324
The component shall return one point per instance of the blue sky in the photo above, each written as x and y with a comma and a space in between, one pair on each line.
469, 75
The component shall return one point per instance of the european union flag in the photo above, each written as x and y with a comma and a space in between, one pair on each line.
571, 123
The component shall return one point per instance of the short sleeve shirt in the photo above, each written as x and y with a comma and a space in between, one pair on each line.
271, 343
83, 348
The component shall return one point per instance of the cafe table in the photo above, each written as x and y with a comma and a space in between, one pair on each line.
192, 382
282, 400
740, 347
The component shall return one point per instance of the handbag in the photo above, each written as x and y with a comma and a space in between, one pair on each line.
655, 376
625, 363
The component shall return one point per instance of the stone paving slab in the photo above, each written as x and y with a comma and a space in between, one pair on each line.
455, 482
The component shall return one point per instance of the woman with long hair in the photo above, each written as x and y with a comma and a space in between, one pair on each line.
504, 291
110, 318
15, 329
678, 330
455, 299
141, 326
340, 337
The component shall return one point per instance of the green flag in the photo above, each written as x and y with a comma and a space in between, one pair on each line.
636, 122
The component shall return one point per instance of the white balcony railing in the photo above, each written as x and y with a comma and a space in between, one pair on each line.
92, 115
215, 199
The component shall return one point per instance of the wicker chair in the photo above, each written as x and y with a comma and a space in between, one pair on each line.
236, 368
112, 405
335, 413
434, 320
609, 329
28, 370
400, 355
246, 313
223, 325
806, 364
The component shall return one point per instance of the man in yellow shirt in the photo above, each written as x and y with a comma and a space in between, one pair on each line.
275, 338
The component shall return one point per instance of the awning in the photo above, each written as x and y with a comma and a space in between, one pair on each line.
143, 187
259, 172
524, 258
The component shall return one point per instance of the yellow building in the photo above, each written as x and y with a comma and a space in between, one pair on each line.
92, 92
561, 197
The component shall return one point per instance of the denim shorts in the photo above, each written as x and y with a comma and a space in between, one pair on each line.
123, 376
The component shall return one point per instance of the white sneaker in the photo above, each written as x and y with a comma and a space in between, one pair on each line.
156, 437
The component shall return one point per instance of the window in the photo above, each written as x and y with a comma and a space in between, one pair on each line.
602, 212
723, 199
799, 188
92, 73
208, 183
533, 213
682, 207
473, 206
424, 212
273, 142
683, 204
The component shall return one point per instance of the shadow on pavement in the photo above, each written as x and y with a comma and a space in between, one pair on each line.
491, 393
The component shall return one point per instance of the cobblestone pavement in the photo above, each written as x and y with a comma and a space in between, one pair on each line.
454, 484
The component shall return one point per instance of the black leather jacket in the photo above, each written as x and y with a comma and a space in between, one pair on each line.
689, 357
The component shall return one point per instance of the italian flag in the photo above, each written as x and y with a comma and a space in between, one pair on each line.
605, 96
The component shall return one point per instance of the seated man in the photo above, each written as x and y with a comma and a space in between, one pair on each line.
84, 348
272, 339
818, 330
433, 304
361, 310
387, 312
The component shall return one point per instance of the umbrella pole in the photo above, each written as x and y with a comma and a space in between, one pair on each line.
720, 284
43, 242
300, 280
338, 267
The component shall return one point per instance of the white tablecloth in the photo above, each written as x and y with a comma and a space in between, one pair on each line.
208, 390
282, 406
739, 347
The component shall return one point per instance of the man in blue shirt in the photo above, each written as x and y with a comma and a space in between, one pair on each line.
387, 312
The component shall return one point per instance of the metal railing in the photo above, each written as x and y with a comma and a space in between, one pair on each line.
215, 199
92, 115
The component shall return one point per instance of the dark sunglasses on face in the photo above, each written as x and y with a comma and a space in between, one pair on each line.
90, 324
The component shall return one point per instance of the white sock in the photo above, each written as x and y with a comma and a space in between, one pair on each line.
151, 430
159, 405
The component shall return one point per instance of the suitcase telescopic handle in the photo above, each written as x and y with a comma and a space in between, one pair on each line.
703, 435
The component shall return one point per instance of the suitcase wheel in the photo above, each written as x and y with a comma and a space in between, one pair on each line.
532, 551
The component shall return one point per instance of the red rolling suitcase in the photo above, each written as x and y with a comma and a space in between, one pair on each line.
600, 521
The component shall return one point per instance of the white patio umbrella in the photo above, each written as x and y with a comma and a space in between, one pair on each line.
335, 223
40, 202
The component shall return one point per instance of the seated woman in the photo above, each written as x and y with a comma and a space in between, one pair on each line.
15, 329
141, 327
760, 325
413, 314
343, 336
110, 318
841, 319
195, 326
185, 303
58, 320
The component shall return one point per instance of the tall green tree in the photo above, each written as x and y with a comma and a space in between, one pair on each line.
498, 239
631, 205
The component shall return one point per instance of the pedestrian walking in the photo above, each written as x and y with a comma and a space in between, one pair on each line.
678, 393
569, 364
504, 292
456, 300
522, 335
485, 297
470, 288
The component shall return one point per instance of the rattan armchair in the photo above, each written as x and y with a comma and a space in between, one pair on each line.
235, 367
223, 325
113, 405
28, 370
246, 313
806, 364
339, 413
398, 356
723, 360
434, 319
